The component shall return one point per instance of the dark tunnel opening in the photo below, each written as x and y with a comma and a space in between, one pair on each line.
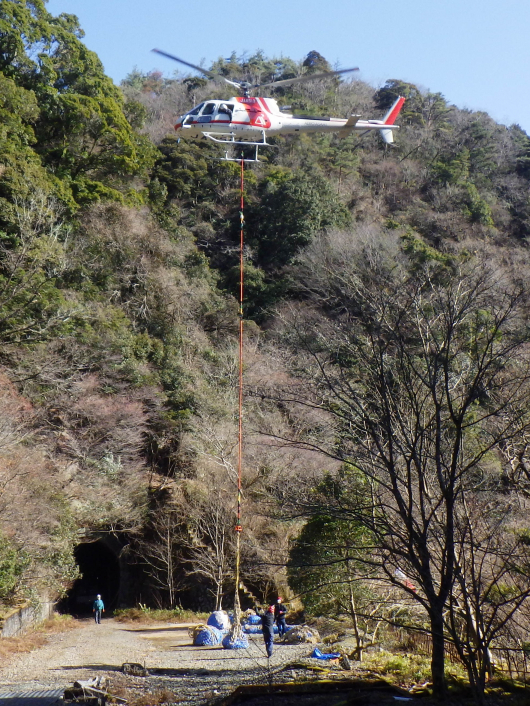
100, 573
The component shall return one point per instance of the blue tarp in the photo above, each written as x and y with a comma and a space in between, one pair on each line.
240, 643
257, 629
219, 619
208, 636
317, 654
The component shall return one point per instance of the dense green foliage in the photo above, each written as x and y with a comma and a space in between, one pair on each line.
13, 561
61, 112
324, 569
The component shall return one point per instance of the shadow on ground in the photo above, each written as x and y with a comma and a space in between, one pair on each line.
153, 671
149, 630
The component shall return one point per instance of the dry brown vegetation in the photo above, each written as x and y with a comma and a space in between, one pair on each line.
122, 688
36, 637
151, 616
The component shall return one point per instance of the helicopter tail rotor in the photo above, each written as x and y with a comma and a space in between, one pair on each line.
387, 134
386, 126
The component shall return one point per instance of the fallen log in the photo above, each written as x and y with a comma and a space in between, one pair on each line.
82, 696
88, 692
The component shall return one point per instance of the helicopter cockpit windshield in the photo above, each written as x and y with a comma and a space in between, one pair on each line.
203, 110
196, 110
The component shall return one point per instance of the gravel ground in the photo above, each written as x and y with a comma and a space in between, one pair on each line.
195, 675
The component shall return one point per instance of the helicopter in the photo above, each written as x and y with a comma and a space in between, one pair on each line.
248, 120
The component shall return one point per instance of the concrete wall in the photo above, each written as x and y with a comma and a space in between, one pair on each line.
23, 617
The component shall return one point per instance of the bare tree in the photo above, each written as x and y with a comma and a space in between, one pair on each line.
160, 553
492, 580
210, 545
423, 371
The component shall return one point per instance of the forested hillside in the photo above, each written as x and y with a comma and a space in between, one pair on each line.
386, 345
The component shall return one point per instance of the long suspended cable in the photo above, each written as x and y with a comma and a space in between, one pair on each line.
237, 638
241, 298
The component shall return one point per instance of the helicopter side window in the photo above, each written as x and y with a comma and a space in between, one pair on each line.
227, 109
209, 109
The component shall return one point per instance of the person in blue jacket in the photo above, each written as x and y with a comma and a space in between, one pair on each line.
279, 614
98, 608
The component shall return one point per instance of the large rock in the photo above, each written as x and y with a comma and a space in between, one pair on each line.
300, 634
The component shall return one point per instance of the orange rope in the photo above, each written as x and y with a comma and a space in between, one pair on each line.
237, 638
241, 281
238, 528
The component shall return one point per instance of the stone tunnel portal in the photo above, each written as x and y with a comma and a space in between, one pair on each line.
100, 573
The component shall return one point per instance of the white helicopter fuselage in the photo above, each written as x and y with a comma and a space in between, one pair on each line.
247, 119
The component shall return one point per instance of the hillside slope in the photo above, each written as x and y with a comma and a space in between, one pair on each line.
118, 274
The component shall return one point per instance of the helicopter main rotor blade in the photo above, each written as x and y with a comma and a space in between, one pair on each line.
306, 77
210, 74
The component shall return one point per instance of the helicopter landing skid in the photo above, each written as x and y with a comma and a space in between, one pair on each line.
232, 141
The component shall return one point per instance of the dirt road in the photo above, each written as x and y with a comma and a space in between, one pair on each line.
194, 674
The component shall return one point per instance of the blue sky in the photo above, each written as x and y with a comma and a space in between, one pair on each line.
475, 52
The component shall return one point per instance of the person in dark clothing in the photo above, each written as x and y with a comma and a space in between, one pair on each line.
279, 615
267, 624
98, 608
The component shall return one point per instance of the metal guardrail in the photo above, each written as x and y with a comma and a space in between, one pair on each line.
44, 697
511, 661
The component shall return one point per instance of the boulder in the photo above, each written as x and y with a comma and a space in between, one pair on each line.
300, 634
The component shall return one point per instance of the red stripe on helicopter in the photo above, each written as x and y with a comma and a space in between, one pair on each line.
393, 115
222, 122
263, 105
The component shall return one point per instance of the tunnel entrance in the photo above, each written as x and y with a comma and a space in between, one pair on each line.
100, 573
